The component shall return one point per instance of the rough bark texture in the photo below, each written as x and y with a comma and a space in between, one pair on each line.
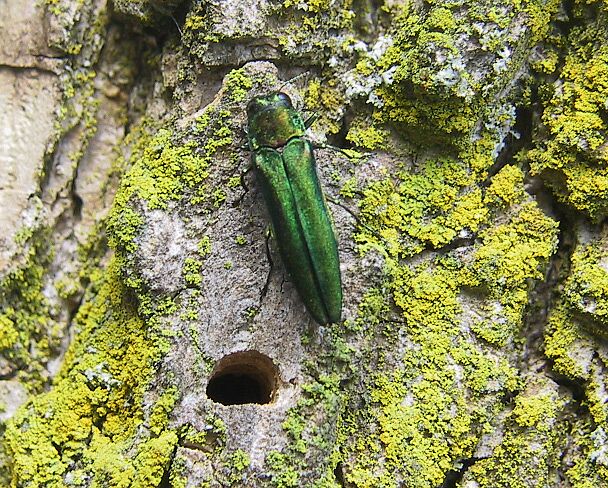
469, 199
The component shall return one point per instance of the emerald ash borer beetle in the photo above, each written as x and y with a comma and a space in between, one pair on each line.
286, 169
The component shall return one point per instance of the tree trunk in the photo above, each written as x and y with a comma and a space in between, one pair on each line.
150, 335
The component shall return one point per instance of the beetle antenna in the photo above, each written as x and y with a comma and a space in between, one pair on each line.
181, 34
165, 11
291, 80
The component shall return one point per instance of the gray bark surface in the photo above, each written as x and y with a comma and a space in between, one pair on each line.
462, 150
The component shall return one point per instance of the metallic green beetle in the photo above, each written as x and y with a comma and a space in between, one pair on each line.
286, 170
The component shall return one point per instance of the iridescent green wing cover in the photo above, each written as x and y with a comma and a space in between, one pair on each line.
317, 230
286, 168
303, 230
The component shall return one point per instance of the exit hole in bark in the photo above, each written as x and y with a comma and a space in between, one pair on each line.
243, 377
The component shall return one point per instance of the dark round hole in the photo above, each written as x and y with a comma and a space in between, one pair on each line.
243, 377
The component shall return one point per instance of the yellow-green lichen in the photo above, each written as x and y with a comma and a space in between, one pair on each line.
512, 254
431, 405
586, 289
415, 99
239, 462
363, 134
570, 153
192, 272
327, 103
507, 187
349, 188
322, 396
286, 474
168, 166
560, 337
237, 85
159, 415
29, 335
425, 78
589, 468
204, 246
422, 422
530, 449
88, 424
571, 338
161, 172
313, 17
429, 207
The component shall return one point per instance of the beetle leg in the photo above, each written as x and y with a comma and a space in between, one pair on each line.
243, 174
349, 153
355, 217
245, 186
267, 240
311, 120
245, 136
269, 258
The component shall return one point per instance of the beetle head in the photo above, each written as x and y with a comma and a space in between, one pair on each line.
274, 100
272, 121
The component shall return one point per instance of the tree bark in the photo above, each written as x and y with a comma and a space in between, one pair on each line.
150, 335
